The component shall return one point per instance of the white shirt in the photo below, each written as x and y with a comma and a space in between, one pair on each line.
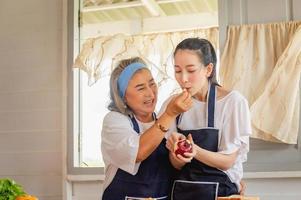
119, 144
232, 118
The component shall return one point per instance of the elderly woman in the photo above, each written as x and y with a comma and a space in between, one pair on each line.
133, 138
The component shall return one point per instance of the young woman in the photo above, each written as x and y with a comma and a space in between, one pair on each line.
218, 126
132, 141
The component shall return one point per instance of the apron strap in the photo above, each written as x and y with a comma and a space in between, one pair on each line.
154, 116
178, 118
135, 123
211, 105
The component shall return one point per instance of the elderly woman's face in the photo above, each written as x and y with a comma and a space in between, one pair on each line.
141, 93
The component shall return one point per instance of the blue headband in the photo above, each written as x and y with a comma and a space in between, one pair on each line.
126, 76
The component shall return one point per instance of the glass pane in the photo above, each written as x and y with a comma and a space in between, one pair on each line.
94, 101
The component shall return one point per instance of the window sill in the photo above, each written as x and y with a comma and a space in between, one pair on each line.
272, 174
80, 178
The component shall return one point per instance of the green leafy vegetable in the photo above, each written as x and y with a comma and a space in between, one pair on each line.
9, 189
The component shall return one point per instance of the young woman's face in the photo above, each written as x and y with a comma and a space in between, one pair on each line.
190, 73
141, 93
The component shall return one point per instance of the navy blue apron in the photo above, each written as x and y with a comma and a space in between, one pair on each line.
153, 179
197, 180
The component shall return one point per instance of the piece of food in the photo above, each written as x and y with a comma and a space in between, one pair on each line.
183, 146
229, 198
238, 197
26, 197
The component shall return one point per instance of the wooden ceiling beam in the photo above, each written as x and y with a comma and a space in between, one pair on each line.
153, 8
124, 5
208, 6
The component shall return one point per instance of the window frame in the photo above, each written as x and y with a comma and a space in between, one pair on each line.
73, 36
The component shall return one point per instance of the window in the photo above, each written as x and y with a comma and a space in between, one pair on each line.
89, 102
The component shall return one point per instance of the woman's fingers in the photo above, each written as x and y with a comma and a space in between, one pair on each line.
184, 159
181, 137
179, 104
192, 154
189, 155
189, 137
175, 137
186, 100
171, 145
243, 187
168, 146
186, 95
171, 142
194, 150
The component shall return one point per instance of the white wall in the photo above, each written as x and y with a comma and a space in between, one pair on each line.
275, 185
31, 95
87, 190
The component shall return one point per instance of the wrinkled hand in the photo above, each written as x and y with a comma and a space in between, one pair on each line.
179, 104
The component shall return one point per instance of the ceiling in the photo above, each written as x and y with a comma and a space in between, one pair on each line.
100, 11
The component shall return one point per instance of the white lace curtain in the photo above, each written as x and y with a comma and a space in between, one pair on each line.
264, 63
98, 55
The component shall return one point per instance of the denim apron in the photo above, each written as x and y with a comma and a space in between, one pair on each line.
196, 180
153, 179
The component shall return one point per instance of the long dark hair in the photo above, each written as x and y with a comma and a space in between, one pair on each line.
204, 50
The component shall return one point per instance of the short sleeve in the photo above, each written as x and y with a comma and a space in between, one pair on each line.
172, 127
236, 128
119, 142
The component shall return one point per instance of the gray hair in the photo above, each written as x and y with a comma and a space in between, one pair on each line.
116, 102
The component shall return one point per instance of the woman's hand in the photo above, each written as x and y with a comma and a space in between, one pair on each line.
243, 187
173, 139
193, 153
171, 145
179, 104
179, 160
